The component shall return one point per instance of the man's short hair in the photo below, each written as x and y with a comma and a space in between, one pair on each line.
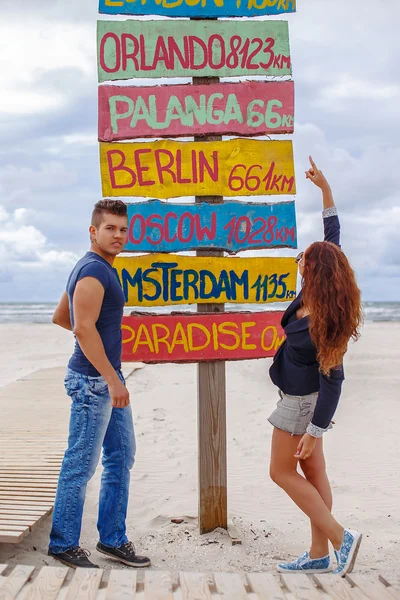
114, 207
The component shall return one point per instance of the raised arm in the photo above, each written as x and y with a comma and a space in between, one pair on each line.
331, 220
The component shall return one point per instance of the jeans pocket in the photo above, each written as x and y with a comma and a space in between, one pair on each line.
98, 386
73, 383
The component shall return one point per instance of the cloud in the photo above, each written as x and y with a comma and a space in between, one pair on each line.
347, 97
27, 258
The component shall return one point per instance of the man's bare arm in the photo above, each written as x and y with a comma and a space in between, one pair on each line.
88, 298
61, 315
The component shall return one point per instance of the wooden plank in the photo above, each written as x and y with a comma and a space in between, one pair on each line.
25, 505
29, 464
265, 586
28, 486
21, 512
158, 586
46, 585
247, 108
338, 588
208, 8
200, 48
25, 498
301, 586
85, 584
393, 590
230, 585
194, 586
12, 537
34, 472
121, 585
18, 528
393, 580
159, 280
11, 585
18, 525
371, 586
167, 168
194, 337
27, 477
13, 520
158, 226
24, 494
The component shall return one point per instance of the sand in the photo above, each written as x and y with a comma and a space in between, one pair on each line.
363, 457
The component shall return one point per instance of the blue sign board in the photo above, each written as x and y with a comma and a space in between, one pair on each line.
200, 9
157, 226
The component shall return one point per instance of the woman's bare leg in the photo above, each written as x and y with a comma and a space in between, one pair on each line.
283, 471
314, 471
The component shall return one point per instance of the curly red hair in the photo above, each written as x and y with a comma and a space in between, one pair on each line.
333, 299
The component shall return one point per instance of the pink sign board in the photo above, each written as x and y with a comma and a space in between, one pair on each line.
248, 108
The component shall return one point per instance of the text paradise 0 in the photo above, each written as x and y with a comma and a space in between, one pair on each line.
196, 337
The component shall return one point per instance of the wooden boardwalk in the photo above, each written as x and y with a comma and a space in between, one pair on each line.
59, 583
32, 449
29, 469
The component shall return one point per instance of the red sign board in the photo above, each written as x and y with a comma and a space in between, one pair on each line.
194, 337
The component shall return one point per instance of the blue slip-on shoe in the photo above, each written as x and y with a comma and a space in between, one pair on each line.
305, 564
347, 553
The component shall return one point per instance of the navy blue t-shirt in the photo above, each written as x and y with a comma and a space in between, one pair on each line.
110, 318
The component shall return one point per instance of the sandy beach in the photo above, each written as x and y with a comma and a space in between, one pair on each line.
363, 457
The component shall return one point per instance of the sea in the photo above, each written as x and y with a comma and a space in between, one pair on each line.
13, 312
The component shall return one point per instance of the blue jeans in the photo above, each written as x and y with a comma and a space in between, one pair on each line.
94, 424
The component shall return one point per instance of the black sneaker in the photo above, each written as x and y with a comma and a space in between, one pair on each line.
125, 554
77, 557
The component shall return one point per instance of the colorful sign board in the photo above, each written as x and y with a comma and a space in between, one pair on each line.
194, 8
198, 337
162, 280
168, 169
248, 108
197, 48
157, 226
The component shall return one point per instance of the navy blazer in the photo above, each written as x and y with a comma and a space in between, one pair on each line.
295, 369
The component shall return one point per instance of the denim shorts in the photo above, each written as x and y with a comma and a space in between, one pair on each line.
294, 413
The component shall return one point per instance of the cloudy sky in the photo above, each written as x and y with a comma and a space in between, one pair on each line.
346, 69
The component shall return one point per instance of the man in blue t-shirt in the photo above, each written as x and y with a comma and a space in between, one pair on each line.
101, 417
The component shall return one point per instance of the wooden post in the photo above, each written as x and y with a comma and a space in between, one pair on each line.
211, 402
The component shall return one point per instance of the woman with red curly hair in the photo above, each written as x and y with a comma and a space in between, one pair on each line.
308, 371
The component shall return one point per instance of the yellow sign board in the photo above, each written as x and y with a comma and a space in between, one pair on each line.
168, 169
161, 280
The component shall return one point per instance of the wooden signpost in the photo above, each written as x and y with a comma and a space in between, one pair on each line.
200, 48
191, 337
196, 8
157, 226
210, 169
160, 280
167, 169
249, 108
